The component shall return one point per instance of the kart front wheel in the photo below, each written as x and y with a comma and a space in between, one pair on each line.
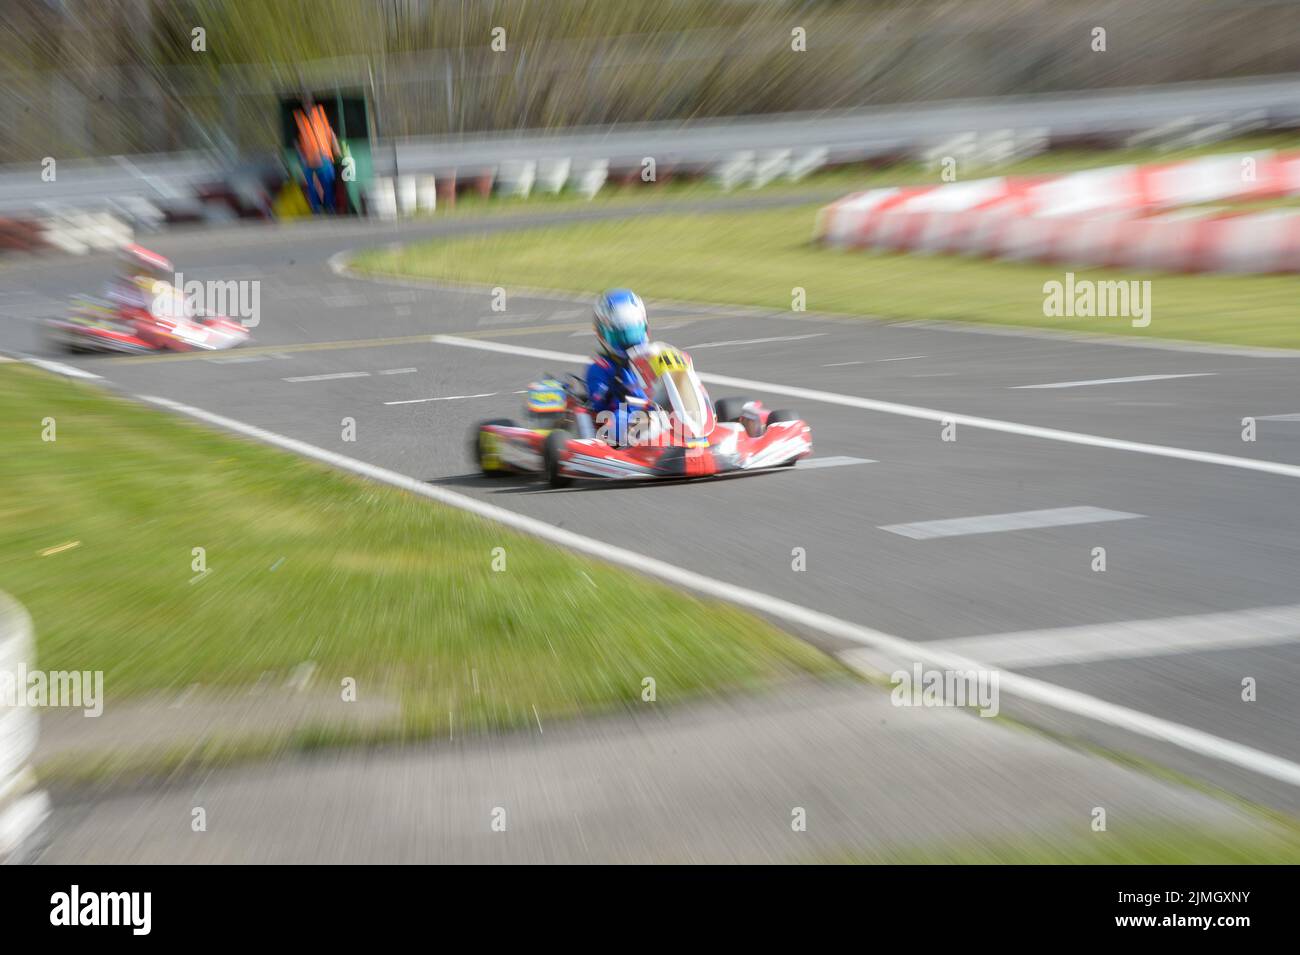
551, 456
480, 451
776, 417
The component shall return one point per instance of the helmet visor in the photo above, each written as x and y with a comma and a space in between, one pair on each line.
625, 336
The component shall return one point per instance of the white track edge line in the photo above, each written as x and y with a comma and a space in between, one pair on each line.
1072, 701
928, 414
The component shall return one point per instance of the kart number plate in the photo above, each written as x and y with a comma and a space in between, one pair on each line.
668, 360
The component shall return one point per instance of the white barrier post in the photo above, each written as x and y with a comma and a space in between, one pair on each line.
591, 177
381, 199
806, 164
515, 177
552, 174
735, 170
768, 167
407, 194
23, 808
426, 194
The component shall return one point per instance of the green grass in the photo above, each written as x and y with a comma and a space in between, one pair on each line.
1144, 846
757, 258
307, 564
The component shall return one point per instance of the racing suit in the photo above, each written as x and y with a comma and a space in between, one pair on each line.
129, 293
608, 385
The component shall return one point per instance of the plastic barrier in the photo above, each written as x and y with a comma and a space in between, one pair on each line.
1127, 216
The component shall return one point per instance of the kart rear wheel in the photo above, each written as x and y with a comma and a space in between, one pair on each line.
555, 442
729, 409
776, 417
476, 446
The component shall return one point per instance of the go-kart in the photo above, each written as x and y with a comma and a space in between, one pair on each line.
676, 433
170, 324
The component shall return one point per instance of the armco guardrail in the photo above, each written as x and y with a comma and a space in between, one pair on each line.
22, 808
865, 133
833, 137
96, 184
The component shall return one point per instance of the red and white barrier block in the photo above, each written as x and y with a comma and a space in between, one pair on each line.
1122, 216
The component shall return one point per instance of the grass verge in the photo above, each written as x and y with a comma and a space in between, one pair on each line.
758, 257
306, 564
1145, 846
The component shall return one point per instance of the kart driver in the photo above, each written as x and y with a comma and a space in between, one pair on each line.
620, 323
138, 272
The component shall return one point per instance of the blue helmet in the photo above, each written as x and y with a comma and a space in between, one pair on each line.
620, 322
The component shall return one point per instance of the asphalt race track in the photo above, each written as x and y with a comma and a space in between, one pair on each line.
1202, 554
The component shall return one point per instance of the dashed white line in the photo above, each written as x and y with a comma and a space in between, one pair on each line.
903, 358
1015, 521
927, 414
1028, 688
841, 364
399, 371
1114, 381
332, 377
416, 401
834, 461
754, 341
1131, 639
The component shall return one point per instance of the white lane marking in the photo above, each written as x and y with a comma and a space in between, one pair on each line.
753, 341
903, 358
59, 368
399, 371
808, 464
930, 414
416, 401
337, 374
1281, 417
1083, 338
841, 364
1015, 521
1029, 688
1130, 639
236, 359
1113, 381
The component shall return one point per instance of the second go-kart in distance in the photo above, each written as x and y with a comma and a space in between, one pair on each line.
142, 311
